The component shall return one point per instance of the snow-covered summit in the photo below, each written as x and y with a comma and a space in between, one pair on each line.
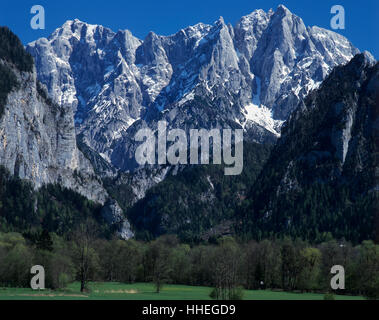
201, 76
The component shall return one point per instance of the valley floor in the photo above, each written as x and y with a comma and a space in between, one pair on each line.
146, 291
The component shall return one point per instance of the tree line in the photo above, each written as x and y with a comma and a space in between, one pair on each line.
226, 265
52, 208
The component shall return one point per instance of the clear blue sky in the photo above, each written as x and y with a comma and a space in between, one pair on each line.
168, 16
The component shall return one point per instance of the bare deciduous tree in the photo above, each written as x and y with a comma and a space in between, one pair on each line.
83, 238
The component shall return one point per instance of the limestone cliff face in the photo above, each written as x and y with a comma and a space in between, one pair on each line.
38, 141
38, 137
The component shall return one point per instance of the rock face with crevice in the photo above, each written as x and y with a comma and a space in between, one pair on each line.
113, 215
322, 174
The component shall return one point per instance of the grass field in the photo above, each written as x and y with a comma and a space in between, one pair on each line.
146, 291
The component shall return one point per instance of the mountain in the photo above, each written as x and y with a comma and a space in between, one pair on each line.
321, 175
38, 137
318, 179
303, 89
197, 203
249, 76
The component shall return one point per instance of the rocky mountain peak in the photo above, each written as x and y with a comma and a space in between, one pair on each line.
252, 75
282, 10
369, 58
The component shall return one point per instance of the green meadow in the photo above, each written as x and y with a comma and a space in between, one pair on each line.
146, 291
